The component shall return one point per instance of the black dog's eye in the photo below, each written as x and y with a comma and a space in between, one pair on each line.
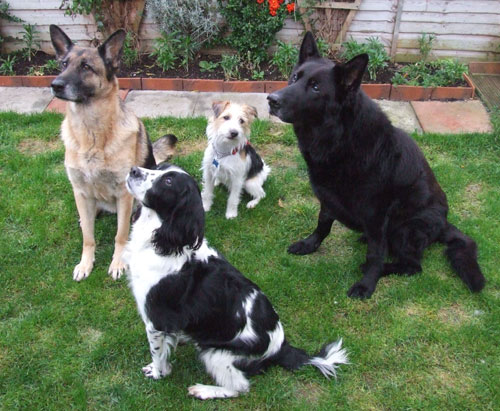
294, 78
226, 117
315, 86
242, 121
168, 181
64, 64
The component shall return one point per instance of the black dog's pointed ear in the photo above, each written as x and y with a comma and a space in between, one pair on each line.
185, 224
61, 42
111, 50
350, 74
308, 48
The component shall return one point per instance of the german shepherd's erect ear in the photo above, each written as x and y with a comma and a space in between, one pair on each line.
308, 48
350, 74
111, 52
61, 42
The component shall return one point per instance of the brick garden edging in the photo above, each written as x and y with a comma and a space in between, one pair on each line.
376, 91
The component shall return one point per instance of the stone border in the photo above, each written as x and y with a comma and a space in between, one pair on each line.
376, 91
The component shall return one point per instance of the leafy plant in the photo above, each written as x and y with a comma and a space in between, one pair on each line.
164, 49
31, 41
230, 65
198, 20
186, 50
425, 45
257, 75
285, 57
7, 66
323, 47
438, 73
378, 57
252, 25
51, 65
130, 54
208, 66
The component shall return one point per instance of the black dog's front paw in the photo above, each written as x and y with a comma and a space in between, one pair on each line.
360, 290
303, 247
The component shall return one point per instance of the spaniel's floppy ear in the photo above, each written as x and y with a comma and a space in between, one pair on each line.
219, 106
185, 224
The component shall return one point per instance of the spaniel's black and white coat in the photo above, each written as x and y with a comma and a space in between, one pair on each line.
185, 290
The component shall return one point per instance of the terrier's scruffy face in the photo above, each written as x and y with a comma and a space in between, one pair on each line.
231, 123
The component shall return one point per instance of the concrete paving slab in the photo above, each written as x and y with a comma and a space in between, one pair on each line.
24, 100
400, 114
152, 103
452, 117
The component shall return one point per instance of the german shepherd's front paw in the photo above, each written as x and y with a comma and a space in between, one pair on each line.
82, 270
361, 290
116, 269
303, 247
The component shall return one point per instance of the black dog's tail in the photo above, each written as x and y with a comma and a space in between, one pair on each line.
462, 253
326, 360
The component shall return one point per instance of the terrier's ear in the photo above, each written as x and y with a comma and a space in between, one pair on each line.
219, 106
250, 111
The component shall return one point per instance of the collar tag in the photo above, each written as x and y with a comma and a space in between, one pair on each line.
215, 163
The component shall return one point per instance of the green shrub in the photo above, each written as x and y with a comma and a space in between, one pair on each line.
130, 53
208, 66
7, 66
252, 27
285, 58
31, 41
164, 49
378, 57
197, 20
438, 73
230, 66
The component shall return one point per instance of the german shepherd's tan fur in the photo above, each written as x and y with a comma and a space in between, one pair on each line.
103, 140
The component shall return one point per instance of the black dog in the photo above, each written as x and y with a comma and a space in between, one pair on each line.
367, 174
184, 288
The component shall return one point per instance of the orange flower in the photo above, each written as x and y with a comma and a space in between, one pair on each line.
290, 7
260, 1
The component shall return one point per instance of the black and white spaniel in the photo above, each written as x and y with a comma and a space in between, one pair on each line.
186, 291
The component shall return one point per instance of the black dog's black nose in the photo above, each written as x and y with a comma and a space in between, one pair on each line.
58, 85
273, 100
135, 172
234, 134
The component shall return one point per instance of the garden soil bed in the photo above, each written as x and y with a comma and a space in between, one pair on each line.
146, 68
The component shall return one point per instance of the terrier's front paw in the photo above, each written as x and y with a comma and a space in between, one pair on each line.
151, 371
233, 213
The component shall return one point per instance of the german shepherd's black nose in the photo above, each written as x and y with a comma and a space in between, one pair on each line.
274, 101
58, 85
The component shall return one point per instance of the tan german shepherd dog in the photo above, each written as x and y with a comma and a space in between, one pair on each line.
103, 140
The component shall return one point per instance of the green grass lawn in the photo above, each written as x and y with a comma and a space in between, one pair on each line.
421, 342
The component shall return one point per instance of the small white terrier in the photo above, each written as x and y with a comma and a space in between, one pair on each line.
230, 159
